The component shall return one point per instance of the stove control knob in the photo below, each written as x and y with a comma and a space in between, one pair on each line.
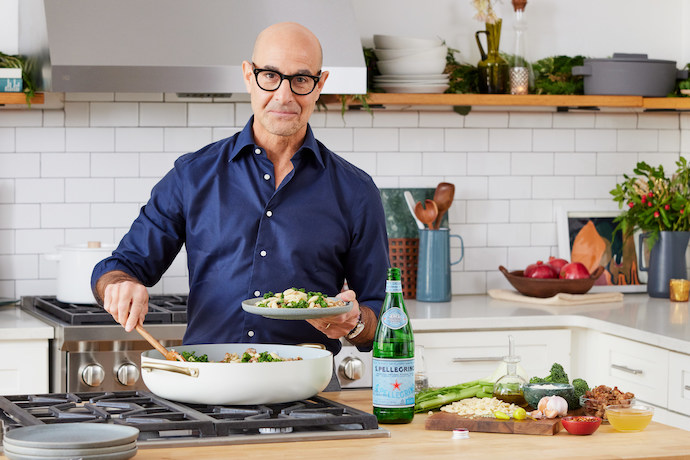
351, 368
93, 375
128, 374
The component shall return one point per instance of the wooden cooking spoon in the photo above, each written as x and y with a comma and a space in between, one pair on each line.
170, 355
443, 196
426, 215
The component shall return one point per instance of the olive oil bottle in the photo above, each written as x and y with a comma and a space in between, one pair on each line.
509, 387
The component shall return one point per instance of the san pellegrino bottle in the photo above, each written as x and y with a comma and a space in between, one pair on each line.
393, 353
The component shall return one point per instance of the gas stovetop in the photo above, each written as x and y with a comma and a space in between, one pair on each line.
164, 423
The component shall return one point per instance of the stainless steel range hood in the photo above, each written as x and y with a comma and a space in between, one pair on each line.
180, 46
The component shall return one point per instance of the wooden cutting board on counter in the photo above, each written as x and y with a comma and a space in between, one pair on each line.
445, 421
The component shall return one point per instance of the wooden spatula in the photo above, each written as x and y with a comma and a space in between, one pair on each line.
170, 355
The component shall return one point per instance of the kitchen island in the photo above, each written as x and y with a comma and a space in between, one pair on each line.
413, 441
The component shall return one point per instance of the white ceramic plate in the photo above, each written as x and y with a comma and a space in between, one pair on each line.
249, 306
71, 435
124, 455
413, 88
68, 452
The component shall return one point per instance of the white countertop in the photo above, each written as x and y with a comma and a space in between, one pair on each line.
16, 324
639, 317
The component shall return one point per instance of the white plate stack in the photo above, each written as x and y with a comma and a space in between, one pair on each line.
71, 440
410, 64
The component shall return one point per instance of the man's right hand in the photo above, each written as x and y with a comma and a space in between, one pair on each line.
124, 297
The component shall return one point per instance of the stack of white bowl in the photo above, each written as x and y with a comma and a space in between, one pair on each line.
410, 64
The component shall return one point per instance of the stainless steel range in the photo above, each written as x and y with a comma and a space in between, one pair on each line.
164, 423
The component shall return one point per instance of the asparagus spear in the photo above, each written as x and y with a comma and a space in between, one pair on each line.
435, 398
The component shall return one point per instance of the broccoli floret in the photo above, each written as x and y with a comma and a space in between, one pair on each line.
580, 387
537, 380
557, 375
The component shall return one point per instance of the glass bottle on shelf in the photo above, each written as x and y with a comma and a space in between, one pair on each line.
509, 387
521, 73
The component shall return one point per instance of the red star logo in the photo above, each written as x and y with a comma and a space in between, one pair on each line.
396, 385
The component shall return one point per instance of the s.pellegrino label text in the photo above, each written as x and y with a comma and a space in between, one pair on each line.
394, 383
393, 286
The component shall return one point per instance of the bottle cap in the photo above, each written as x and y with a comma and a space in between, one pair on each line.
461, 433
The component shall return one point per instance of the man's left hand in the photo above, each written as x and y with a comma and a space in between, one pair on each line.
338, 326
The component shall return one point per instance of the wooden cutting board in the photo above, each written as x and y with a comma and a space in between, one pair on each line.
445, 421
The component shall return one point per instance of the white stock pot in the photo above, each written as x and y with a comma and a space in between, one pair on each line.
238, 383
75, 265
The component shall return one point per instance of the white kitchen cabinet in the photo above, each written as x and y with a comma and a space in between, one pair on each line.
679, 382
456, 357
632, 367
24, 367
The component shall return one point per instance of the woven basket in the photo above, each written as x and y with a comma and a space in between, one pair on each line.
404, 253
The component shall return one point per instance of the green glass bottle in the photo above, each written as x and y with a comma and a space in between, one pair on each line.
393, 353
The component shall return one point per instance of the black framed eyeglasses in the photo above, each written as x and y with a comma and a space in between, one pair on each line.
270, 80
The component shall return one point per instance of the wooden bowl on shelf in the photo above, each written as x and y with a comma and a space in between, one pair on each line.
536, 287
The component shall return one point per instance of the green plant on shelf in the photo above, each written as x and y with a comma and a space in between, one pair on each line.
12, 61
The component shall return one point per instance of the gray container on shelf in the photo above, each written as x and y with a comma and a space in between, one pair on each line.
629, 75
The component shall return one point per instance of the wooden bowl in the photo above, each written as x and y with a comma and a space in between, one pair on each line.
536, 287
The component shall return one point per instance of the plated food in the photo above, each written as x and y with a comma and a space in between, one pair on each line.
250, 355
298, 298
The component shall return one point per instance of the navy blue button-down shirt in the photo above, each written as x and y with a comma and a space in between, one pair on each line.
324, 224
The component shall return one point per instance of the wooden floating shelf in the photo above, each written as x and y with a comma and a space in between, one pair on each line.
20, 98
530, 100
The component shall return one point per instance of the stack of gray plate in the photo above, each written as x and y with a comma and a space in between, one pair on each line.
71, 440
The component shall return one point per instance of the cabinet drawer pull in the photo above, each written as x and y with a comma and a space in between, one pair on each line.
627, 369
477, 359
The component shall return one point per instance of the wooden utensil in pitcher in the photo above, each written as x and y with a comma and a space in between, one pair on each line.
426, 215
443, 196
170, 355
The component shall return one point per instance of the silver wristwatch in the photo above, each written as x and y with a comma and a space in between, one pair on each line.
359, 327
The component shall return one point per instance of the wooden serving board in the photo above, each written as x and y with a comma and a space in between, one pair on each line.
445, 421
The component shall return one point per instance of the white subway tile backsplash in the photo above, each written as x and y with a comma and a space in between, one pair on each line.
64, 215
89, 190
70, 97
529, 120
376, 139
594, 187
496, 280
349, 119
508, 235
53, 118
444, 163
434, 119
7, 238
556, 187
616, 163
139, 97
157, 164
399, 164
89, 140
639, 140
24, 118
520, 257
19, 216
216, 114
77, 114
186, 139
667, 160
7, 191
669, 140
243, 112
318, 119
509, 187
39, 241
84, 235
477, 119
531, 164
575, 164
113, 214
457, 214
18, 266
114, 114
336, 140
396, 119
615, 121
424, 139
468, 140
65, 164
544, 234
473, 235
531, 210
134, 190
554, 140
573, 120
114, 164
7, 139
222, 133
486, 211
138, 139
510, 140
658, 121
40, 139
488, 164
595, 140
162, 114
40, 190
685, 142
365, 161
485, 258
468, 283
20, 165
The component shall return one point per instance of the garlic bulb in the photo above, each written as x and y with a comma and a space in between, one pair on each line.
553, 406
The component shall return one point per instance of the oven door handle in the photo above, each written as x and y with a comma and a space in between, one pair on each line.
190, 371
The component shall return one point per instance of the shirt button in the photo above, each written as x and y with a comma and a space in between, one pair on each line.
257, 293
269, 213
250, 333
267, 176
263, 253
257, 151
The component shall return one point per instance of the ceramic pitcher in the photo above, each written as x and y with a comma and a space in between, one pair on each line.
493, 69
666, 261
433, 265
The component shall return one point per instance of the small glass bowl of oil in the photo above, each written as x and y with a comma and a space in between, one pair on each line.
634, 417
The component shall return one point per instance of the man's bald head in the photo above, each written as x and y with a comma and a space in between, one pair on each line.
292, 33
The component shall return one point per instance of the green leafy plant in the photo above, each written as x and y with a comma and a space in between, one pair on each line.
685, 84
18, 62
652, 201
462, 78
554, 75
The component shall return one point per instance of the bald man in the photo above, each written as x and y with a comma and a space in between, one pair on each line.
265, 210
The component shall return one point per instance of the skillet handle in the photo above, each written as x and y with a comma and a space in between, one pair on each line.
190, 371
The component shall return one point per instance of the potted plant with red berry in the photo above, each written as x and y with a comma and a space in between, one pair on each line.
658, 206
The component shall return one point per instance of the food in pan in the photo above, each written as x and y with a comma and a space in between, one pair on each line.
298, 298
249, 356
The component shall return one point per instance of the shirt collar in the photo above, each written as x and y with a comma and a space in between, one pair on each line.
245, 140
